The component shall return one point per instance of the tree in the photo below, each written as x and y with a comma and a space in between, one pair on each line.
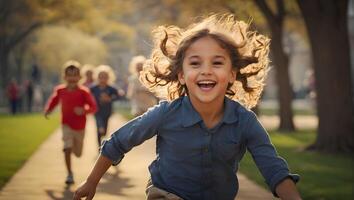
69, 43
326, 22
281, 61
19, 18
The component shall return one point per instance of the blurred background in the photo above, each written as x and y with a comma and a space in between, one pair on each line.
308, 96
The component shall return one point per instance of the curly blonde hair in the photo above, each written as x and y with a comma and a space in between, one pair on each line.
105, 69
133, 65
248, 53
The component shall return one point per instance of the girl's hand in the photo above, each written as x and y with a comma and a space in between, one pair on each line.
105, 98
79, 111
86, 189
287, 190
121, 92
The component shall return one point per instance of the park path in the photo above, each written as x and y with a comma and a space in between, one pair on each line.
42, 176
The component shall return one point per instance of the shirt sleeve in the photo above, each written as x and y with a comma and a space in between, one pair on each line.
91, 102
273, 168
52, 101
115, 95
133, 133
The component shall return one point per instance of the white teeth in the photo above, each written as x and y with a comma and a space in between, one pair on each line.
206, 82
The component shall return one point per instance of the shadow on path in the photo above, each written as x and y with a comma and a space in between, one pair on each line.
66, 194
111, 183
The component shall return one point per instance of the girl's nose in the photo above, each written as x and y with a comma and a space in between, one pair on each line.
206, 70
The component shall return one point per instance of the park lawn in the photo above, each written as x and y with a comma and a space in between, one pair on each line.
322, 176
20, 136
297, 111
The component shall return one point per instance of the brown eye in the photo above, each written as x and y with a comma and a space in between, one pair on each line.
194, 63
218, 63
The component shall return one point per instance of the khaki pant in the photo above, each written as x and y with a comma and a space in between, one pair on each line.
155, 193
73, 139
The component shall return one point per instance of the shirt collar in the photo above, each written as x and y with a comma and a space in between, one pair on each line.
230, 112
191, 116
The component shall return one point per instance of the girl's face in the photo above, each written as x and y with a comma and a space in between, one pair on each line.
103, 78
206, 71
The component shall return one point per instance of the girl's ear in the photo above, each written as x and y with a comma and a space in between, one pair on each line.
232, 76
181, 78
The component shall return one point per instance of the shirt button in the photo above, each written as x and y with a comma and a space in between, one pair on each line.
206, 149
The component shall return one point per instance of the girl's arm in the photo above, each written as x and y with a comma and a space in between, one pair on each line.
274, 169
287, 190
131, 134
88, 187
117, 94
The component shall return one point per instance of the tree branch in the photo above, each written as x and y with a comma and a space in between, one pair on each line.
281, 11
7, 8
17, 38
262, 5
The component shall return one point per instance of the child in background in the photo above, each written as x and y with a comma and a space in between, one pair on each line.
104, 94
13, 94
211, 73
87, 74
140, 97
76, 102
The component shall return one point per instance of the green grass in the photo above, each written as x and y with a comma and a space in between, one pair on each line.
298, 111
322, 176
125, 112
20, 136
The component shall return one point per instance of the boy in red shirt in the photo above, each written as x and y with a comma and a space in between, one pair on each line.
76, 101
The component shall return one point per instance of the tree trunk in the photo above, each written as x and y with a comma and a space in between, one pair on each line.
280, 59
4, 55
285, 92
326, 22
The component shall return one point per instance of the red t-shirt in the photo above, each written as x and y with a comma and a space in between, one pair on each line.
69, 99
12, 91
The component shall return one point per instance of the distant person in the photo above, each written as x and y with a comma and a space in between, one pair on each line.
87, 75
29, 90
105, 93
211, 73
140, 97
76, 102
36, 74
310, 84
13, 95
38, 98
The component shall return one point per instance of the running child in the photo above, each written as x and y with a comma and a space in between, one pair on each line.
140, 97
105, 93
211, 73
76, 102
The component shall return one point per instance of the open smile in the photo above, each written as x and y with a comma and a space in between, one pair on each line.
206, 85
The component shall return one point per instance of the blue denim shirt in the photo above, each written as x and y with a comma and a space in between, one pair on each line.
195, 162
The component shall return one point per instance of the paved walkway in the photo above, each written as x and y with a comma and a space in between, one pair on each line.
43, 175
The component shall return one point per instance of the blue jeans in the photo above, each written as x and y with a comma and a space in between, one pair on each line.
101, 123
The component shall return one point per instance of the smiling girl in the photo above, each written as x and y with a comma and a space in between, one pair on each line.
211, 74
